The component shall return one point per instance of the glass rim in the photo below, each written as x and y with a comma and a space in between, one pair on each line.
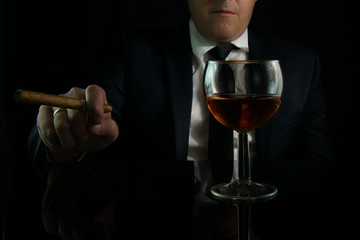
241, 61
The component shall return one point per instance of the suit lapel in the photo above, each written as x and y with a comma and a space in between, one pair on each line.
178, 71
256, 46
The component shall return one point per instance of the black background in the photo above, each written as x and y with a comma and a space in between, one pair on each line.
50, 45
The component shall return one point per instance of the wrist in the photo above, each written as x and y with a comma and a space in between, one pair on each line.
55, 157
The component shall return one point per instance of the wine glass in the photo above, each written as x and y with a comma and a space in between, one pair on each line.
243, 100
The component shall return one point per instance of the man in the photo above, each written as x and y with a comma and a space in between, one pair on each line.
149, 148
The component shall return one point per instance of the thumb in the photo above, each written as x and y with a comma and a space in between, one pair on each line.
107, 131
95, 99
96, 129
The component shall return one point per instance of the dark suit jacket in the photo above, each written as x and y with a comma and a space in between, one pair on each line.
148, 81
151, 93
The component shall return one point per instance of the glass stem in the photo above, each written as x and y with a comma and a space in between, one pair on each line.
244, 220
244, 168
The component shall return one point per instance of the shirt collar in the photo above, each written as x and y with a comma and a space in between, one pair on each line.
200, 45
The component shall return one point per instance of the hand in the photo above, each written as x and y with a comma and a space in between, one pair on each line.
68, 133
78, 204
218, 222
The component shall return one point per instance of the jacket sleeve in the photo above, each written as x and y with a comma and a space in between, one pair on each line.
310, 159
36, 154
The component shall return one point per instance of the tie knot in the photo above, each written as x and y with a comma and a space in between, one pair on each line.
222, 50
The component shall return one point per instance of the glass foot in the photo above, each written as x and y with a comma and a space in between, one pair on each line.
243, 190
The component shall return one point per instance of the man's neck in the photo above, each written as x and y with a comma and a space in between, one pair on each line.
200, 45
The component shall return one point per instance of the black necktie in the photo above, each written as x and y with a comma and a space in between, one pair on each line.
220, 137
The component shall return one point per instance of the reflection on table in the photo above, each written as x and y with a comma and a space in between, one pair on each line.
79, 204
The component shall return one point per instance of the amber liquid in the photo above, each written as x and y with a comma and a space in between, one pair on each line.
243, 113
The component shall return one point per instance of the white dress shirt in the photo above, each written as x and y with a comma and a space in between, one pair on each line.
199, 125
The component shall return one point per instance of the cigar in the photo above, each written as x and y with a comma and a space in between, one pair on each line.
25, 96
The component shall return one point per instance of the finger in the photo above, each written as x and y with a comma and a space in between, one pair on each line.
95, 99
78, 125
75, 92
46, 128
78, 119
107, 132
63, 130
63, 126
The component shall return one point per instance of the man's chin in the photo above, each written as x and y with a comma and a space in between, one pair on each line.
225, 31
223, 34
